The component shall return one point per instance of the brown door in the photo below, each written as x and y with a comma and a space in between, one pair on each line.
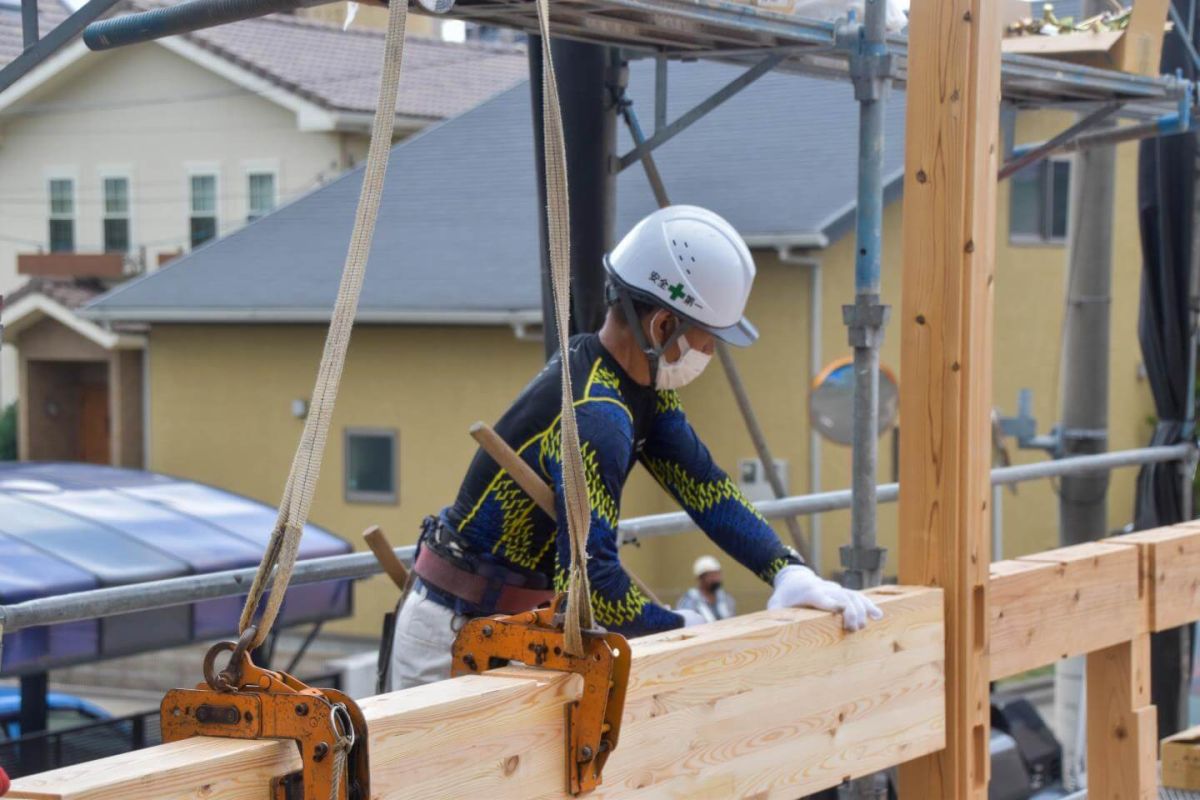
93, 424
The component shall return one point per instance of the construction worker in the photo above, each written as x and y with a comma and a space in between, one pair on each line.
677, 282
707, 598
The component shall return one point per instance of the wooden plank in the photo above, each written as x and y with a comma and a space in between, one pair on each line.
1062, 603
951, 160
451, 739
776, 704
1121, 723
224, 768
1171, 573
1139, 50
763, 707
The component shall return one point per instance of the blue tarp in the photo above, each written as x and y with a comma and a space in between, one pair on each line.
71, 527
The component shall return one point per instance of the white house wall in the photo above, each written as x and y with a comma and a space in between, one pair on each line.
156, 117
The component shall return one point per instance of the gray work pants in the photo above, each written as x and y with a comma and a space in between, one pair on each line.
421, 642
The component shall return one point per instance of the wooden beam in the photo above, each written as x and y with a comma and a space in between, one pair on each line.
1122, 725
776, 704
1062, 603
1171, 573
224, 768
951, 161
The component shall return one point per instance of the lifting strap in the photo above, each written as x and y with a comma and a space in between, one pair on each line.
578, 613
280, 556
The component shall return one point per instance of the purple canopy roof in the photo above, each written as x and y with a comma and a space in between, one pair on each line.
68, 527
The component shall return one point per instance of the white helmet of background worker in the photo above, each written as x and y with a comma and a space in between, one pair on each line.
705, 564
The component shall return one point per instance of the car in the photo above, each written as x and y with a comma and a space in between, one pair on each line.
64, 711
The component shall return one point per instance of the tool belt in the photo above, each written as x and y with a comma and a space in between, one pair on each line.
470, 585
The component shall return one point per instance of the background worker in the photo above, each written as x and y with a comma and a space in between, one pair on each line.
677, 282
707, 598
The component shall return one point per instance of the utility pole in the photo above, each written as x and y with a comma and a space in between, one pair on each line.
1082, 499
862, 559
586, 73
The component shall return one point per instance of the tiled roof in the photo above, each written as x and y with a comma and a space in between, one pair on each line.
458, 226
340, 69
51, 12
335, 69
68, 292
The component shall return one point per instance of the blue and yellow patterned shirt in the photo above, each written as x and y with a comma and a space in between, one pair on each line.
620, 423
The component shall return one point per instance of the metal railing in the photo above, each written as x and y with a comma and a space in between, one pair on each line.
99, 603
46, 750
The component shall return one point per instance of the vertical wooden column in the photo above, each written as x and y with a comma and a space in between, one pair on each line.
1122, 725
951, 161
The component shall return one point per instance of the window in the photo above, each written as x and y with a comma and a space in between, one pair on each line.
1039, 203
261, 193
62, 215
370, 465
203, 223
116, 215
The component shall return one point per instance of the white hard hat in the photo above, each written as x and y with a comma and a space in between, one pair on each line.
705, 564
693, 263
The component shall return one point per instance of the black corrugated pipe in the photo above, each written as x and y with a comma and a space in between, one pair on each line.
193, 15
585, 74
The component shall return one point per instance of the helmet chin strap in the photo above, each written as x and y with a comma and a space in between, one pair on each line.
653, 354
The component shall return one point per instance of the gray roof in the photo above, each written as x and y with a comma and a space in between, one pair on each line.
50, 13
457, 236
334, 69
339, 70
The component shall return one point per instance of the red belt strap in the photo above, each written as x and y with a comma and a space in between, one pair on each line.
471, 588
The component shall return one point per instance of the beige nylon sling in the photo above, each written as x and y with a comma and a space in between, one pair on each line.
280, 557
558, 217
284, 544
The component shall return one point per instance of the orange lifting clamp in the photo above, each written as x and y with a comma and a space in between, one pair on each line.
247, 702
536, 638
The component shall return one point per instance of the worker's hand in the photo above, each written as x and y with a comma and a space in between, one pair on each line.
797, 585
690, 617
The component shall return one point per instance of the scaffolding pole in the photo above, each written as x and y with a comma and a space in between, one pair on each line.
757, 437
865, 320
862, 559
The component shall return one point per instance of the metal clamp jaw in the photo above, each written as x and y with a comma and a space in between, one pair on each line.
244, 701
536, 638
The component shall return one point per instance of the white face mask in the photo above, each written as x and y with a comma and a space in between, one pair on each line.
674, 374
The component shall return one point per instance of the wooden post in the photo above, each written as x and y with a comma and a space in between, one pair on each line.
1122, 726
951, 161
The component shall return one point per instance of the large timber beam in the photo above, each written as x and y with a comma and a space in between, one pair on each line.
1062, 603
776, 704
951, 160
773, 704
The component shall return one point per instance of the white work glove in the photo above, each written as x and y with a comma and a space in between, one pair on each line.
796, 585
690, 617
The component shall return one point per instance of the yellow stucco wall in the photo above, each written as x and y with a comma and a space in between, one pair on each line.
220, 398
221, 413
